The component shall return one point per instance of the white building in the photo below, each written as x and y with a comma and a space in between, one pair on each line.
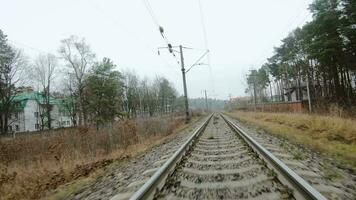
30, 108
292, 94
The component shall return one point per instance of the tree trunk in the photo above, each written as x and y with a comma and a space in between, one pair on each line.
278, 91
6, 121
349, 85
1, 124
270, 88
281, 90
337, 87
49, 118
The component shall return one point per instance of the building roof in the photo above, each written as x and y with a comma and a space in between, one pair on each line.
23, 97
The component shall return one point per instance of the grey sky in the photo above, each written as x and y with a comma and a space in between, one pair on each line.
241, 34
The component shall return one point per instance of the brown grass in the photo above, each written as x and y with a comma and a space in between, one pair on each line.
332, 135
31, 165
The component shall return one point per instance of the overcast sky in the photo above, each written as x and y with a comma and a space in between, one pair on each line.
240, 34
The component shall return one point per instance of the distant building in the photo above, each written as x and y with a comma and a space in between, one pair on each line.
30, 106
292, 94
238, 102
242, 99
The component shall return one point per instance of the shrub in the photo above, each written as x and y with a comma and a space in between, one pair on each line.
34, 163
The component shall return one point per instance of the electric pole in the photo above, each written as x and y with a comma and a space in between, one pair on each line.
171, 50
187, 117
254, 89
308, 92
254, 92
206, 101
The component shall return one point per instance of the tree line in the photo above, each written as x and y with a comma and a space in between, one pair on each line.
319, 57
92, 91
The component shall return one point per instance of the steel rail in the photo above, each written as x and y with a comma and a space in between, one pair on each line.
156, 182
300, 188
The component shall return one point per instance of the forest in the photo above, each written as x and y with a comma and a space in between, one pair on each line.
316, 60
92, 91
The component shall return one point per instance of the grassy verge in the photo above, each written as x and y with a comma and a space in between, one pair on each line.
31, 166
331, 135
66, 190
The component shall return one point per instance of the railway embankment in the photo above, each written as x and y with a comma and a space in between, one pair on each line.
325, 145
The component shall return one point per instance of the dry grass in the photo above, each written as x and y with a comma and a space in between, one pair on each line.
328, 134
32, 165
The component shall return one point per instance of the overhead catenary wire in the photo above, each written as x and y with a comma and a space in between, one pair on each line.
202, 19
171, 49
26, 46
261, 59
21, 45
292, 21
150, 11
39, 51
203, 23
197, 62
132, 34
160, 28
162, 32
124, 28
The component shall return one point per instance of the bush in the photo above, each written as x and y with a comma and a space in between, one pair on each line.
34, 163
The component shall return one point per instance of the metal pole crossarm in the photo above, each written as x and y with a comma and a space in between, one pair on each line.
168, 48
195, 65
187, 47
197, 62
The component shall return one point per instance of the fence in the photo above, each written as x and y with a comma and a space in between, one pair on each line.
296, 106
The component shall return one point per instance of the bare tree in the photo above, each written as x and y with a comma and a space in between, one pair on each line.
79, 59
44, 72
70, 100
131, 95
146, 97
12, 67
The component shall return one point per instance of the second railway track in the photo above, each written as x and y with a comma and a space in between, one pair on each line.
218, 163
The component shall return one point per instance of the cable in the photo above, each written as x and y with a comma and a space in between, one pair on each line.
123, 27
150, 11
261, 59
305, 18
203, 24
206, 44
27, 46
197, 62
160, 28
127, 30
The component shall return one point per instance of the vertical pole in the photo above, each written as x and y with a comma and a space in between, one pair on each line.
270, 88
187, 119
308, 91
254, 92
230, 103
206, 101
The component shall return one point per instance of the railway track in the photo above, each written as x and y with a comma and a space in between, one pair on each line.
220, 161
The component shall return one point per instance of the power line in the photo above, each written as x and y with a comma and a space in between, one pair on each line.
99, 9
261, 59
150, 11
171, 49
26, 46
305, 18
203, 24
115, 21
160, 28
127, 30
206, 43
